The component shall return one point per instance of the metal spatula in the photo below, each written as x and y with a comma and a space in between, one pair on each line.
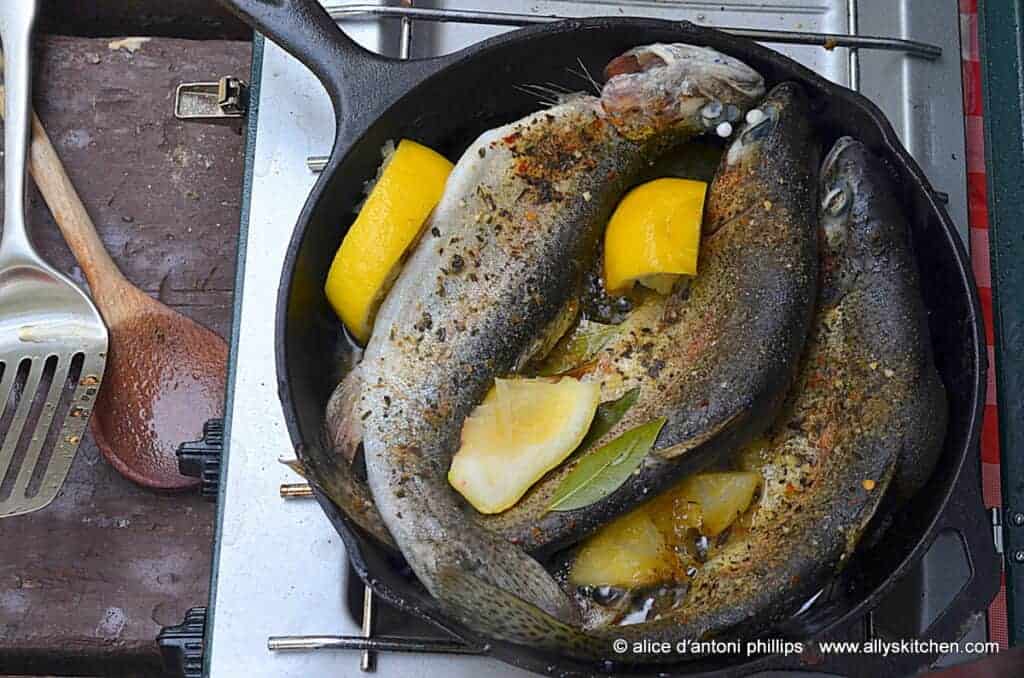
53, 343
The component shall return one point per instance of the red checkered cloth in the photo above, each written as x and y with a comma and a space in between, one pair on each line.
977, 206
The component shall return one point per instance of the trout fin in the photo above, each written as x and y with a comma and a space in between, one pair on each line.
337, 473
342, 423
507, 617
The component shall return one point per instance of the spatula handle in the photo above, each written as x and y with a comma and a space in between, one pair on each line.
72, 219
16, 22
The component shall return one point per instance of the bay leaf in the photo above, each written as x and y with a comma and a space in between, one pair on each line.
603, 470
607, 416
578, 347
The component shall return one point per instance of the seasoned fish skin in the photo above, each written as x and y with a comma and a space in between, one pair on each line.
883, 262
717, 358
504, 252
851, 422
468, 307
710, 89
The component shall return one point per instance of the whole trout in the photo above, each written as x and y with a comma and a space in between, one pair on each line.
866, 416
717, 357
504, 252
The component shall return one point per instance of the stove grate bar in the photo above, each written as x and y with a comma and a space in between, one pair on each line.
364, 644
826, 40
348, 12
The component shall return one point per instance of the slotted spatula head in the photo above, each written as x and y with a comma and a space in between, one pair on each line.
53, 343
53, 348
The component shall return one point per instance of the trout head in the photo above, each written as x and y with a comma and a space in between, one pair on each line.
860, 216
680, 89
776, 144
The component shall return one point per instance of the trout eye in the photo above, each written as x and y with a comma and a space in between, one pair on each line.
719, 117
836, 200
835, 207
760, 122
712, 110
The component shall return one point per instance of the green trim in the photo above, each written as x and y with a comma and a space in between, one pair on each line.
1002, 57
252, 116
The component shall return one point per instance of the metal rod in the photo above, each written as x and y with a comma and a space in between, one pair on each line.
405, 40
378, 644
854, 58
296, 491
367, 661
340, 12
826, 40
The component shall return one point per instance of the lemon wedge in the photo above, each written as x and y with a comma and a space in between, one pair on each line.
370, 257
522, 429
653, 542
654, 235
722, 497
629, 551
674, 513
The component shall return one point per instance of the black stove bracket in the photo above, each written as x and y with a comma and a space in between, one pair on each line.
201, 458
181, 646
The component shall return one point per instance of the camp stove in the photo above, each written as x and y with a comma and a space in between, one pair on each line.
284, 601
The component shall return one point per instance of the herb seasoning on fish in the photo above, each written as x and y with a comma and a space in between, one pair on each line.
717, 356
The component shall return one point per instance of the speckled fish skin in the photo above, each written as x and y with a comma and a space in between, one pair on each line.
856, 185
505, 250
867, 400
717, 358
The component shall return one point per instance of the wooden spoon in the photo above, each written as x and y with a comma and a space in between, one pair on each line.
165, 373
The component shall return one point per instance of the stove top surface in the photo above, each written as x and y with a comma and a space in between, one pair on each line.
280, 568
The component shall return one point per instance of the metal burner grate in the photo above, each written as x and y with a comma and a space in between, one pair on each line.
829, 41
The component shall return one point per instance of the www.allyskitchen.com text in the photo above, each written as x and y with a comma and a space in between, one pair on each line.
875, 646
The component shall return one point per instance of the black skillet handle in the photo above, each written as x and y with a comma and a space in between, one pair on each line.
963, 517
974, 527
305, 30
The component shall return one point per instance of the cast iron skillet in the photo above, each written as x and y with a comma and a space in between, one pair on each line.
447, 101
